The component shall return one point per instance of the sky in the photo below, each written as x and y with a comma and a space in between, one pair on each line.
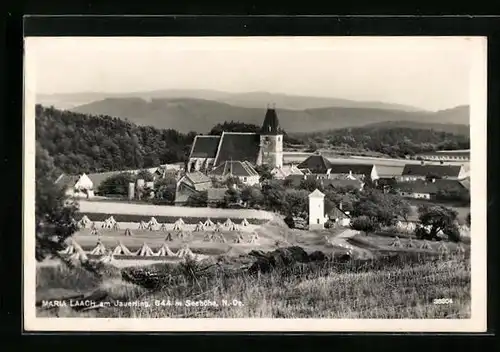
425, 72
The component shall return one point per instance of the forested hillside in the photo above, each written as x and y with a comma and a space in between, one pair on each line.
81, 143
392, 141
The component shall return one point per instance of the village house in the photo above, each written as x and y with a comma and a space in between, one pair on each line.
446, 155
318, 167
242, 170
423, 189
281, 173
339, 216
413, 172
76, 186
191, 184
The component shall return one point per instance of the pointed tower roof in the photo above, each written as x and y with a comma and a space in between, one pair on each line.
271, 123
316, 194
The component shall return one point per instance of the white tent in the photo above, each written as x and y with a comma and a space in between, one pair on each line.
100, 249
107, 258
177, 227
220, 238
85, 220
233, 227
94, 232
244, 222
254, 238
186, 253
128, 232
121, 250
165, 251
426, 245
142, 225
180, 221
199, 227
239, 238
153, 221
228, 222
145, 251
209, 223
218, 227
169, 237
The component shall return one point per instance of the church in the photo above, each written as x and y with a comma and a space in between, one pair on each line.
264, 148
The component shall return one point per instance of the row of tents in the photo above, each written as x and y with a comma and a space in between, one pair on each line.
111, 223
75, 250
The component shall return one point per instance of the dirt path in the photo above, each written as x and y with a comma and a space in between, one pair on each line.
341, 241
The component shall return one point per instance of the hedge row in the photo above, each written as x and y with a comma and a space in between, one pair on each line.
163, 219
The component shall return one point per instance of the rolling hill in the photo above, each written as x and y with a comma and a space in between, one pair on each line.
246, 100
441, 127
201, 115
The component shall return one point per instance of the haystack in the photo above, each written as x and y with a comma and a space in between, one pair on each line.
220, 238
185, 252
153, 221
99, 249
94, 231
145, 251
180, 222
151, 227
410, 243
116, 227
142, 225
209, 223
165, 251
128, 232
254, 238
163, 227
169, 237
443, 249
177, 227
239, 238
78, 257
70, 249
234, 227
228, 222
199, 227
396, 242
85, 220
120, 249
244, 222
209, 237
111, 220
107, 258
218, 227
426, 245
93, 225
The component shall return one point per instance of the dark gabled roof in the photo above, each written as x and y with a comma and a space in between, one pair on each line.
271, 123
98, 178
66, 181
421, 186
238, 146
234, 168
355, 169
316, 164
342, 183
431, 170
205, 146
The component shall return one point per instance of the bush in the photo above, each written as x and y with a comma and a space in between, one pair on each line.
365, 224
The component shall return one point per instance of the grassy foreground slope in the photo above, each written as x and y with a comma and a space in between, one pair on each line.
403, 287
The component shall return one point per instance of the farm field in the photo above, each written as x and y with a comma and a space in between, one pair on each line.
148, 210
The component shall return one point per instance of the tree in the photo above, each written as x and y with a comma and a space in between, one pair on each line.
265, 173
232, 196
311, 184
252, 196
296, 202
436, 218
199, 199
365, 224
145, 175
54, 212
274, 196
116, 184
165, 189
385, 208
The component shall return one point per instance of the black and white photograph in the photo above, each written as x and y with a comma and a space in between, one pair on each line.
255, 183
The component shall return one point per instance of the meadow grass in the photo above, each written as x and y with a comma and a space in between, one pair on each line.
401, 286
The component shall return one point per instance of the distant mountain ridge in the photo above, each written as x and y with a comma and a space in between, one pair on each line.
460, 129
185, 115
246, 100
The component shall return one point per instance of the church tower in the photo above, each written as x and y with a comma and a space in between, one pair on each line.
271, 140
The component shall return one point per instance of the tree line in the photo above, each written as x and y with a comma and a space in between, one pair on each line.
391, 141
